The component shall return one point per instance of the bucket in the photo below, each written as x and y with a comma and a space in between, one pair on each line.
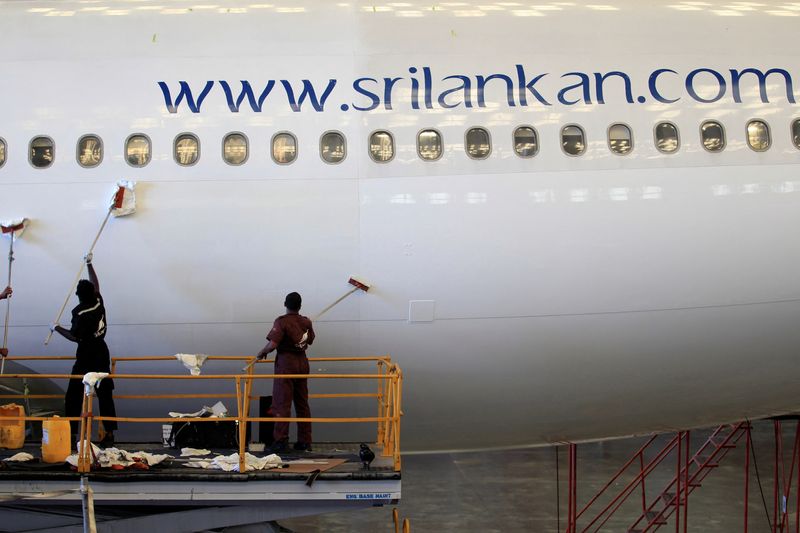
12, 432
56, 445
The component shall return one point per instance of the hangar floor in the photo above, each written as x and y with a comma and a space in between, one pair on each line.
515, 491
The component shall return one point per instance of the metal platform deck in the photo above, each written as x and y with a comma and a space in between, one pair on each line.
41, 497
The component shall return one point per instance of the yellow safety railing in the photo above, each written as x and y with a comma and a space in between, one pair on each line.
388, 376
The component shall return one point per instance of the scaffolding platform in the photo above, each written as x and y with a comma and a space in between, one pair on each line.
172, 496
191, 499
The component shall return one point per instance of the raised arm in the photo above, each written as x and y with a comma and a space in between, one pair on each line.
92, 274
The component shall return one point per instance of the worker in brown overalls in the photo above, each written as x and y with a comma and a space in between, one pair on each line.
290, 335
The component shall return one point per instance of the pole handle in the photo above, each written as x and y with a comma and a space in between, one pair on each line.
348, 293
8, 300
78, 277
250, 364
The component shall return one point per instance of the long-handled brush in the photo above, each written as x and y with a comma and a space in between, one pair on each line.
358, 285
122, 203
13, 230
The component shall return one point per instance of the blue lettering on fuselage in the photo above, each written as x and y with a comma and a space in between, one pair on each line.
422, 89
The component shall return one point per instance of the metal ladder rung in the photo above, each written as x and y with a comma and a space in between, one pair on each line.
720, 443
701, 462
655, 518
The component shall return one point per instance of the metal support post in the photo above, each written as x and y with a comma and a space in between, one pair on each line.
776, 486
87, 500
642, 475
573, 489
686, 487
787, 481
678, 482
748, 446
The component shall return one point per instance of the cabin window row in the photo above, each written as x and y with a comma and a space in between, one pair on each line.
430, 144
667, 137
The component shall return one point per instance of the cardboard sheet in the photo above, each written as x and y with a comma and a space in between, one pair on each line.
306, 466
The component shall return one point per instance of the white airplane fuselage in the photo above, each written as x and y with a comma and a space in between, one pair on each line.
564, 297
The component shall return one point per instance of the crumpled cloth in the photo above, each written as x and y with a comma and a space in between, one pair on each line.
95, 448
115, 456
193, 362
217, 410
230, 463
190, 452
21, 456
91, 380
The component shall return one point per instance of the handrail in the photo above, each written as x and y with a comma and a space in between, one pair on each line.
388, 396
141, 358
717, 453
621, 471
625, 493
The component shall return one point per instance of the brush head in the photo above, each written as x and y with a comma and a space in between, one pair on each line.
124, 200
14, 228
358, 284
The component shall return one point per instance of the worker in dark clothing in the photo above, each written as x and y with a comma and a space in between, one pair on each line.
5, 293
89, 331
290, 336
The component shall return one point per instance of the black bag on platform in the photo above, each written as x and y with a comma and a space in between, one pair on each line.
204, 435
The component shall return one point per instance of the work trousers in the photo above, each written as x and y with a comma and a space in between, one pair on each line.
286, 391
73, 402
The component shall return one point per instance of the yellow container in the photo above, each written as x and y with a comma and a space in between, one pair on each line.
55, 440
12, 432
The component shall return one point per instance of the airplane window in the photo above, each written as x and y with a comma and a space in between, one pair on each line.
234, 149
620, 139
429, 145
2, 152
526, 142
332, 147
758, 137
137, 150
284, 148
667, 139
478, 143
713, 136
187, 149
381, 146
573, 140
796, 132
42, 152
90, 151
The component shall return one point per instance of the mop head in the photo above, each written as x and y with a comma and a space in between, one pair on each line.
16, 227
359, 284
124, 200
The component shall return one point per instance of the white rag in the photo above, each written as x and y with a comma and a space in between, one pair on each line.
217, 410
21, 456
192, 452
91, 380
128, 199
230, 463
198, 464
198, 414
193, 362
115, 456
